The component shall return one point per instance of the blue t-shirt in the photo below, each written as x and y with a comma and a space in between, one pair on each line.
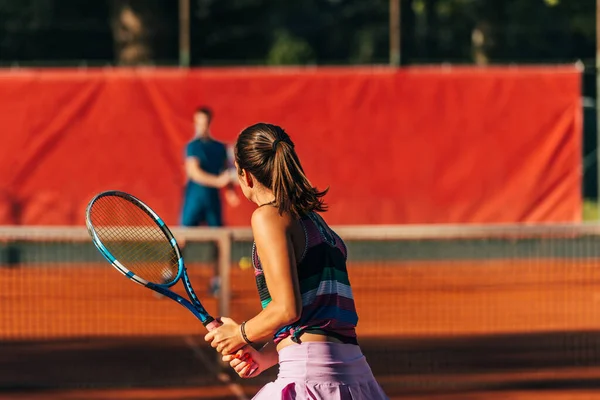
212, 156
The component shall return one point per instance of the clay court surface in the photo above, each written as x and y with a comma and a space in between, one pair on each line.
508, 329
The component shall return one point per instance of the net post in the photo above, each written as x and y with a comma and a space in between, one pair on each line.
395, 32
224, 268
224, 260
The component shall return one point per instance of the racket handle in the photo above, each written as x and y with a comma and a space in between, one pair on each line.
210, 325
213, 325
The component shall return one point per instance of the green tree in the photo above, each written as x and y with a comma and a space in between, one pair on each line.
308, 31
289, 50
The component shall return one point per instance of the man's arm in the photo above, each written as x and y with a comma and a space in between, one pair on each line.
195, 173
230, 194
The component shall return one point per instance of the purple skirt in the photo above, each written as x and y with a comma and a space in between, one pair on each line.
322, 371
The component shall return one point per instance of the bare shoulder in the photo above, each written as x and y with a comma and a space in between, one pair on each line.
264, 218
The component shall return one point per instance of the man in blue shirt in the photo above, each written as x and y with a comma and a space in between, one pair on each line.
207, 171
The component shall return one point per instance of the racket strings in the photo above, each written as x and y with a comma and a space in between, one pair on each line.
143, 254
152, 258
134, 239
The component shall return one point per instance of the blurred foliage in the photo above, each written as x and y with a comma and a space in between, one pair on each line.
246, 31
514, 30
289, 50
52, 30
302, 32
590, 211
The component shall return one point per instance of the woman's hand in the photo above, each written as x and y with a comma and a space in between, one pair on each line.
226, 339
247, 362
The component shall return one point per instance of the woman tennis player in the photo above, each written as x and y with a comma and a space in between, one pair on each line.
300, 268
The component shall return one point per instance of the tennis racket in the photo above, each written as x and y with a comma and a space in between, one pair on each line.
138, 244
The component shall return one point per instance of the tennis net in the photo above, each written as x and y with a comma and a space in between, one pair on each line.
440, 307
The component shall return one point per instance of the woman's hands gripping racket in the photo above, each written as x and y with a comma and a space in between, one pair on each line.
138, 244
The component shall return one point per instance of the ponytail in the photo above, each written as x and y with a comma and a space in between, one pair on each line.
268, 153
292, 189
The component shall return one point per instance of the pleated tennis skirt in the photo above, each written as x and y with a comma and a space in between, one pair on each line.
322, 371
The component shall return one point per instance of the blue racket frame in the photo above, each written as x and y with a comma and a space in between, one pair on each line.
194, 306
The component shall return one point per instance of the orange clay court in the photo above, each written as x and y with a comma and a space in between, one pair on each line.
502, 329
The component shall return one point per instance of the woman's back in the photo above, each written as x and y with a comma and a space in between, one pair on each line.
327, 301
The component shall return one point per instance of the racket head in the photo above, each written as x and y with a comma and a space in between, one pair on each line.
134, 239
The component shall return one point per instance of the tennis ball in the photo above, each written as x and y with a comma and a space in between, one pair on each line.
245, 263
167, 274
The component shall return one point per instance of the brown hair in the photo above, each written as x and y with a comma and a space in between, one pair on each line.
206, 111
267, 152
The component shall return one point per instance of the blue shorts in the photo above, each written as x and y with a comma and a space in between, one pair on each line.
198, 210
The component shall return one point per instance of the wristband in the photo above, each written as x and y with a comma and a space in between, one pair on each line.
243, 330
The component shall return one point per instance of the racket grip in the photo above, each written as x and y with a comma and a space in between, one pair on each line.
213, 325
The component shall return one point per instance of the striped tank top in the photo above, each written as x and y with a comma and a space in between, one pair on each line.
327, 301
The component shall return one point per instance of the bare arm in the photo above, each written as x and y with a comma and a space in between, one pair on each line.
269, 354
195, 173
273, 243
